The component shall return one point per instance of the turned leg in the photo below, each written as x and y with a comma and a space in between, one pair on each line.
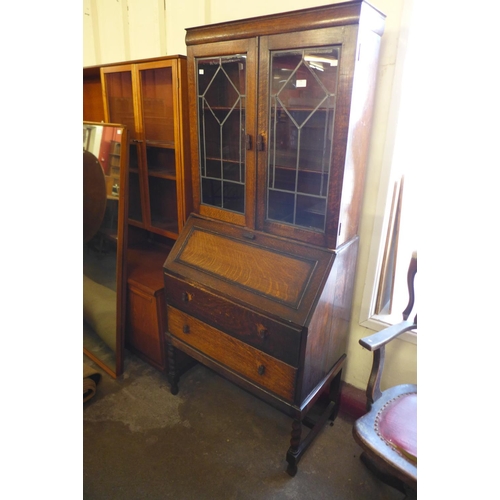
173, 377
293, 453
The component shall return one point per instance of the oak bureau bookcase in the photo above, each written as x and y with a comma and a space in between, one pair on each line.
259, 283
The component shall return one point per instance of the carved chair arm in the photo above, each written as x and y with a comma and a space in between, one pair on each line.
378, 339
376, 343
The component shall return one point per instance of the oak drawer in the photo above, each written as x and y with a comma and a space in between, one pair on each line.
277, 339
252, 364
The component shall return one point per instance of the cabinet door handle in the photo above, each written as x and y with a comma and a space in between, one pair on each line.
136, 140
260, 143
186, 297
261, 369
185, 329
248, 141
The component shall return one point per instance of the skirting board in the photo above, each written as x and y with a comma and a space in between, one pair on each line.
352, 401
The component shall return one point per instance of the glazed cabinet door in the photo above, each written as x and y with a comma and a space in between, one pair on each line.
222, 78
119, 107
144, 97
299, 90
158, 137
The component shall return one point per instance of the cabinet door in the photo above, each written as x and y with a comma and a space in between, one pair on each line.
159, 137
223, 80
145, 325
118, 90
299, 78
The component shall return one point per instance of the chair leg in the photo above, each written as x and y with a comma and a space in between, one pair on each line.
410, 494
383, 476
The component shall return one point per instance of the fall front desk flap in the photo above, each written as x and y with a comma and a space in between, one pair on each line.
278, 277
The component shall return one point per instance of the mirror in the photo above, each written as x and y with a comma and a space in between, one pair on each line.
105, 167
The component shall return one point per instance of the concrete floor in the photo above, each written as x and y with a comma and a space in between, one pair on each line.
211, 441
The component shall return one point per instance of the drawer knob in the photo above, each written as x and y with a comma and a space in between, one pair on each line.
186, 296
262, 332
185, 329
261, 369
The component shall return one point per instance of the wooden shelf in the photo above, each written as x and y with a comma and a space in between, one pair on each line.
218, 160
160, 144
162, 174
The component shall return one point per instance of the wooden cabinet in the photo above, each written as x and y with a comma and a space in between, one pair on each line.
93, 108
146, 311
259, 284
150, 98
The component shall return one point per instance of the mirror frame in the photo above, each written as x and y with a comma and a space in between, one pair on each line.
121, 256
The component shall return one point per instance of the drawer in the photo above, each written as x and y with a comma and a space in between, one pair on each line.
252, 364
280, 340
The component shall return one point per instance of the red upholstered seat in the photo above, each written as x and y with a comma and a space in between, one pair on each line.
396, 424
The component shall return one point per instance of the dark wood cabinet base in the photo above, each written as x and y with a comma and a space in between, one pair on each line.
322, 406
328, 410
282, 341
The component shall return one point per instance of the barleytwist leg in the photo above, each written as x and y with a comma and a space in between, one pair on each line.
293, 452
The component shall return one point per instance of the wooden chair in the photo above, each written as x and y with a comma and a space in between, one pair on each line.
388, 432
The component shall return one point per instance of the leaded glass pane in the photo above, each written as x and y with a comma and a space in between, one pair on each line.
302, 106
221, 118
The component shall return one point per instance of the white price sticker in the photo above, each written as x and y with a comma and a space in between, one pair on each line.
301, 83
